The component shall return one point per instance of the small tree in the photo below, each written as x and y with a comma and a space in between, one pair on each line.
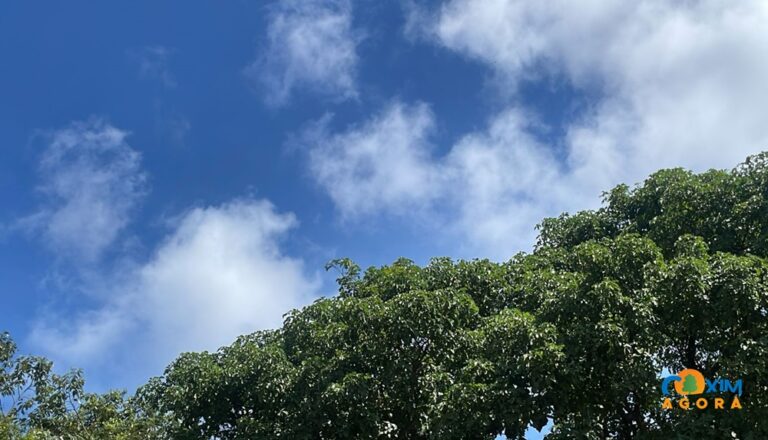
689, 384
37, 404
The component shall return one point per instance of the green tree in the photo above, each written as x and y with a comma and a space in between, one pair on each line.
670, 274
689, 384
666, 275
37, 404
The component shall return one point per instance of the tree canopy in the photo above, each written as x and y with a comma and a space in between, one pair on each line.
667, 275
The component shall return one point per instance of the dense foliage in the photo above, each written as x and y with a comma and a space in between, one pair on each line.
668, 275
37, 404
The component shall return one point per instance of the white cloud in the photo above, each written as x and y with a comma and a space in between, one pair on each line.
683, 83
675, 84
91, 181
503, 181
486, 189
310, 45
219, 274
383, 164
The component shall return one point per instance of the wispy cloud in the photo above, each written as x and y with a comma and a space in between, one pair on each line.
485, 190
153, 64
171, 125
310, 45
91, 180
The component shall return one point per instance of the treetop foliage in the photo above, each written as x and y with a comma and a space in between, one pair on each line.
667, 275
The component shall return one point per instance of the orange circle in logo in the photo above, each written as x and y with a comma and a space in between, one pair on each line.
691, 382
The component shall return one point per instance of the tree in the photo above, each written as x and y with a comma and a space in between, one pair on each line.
689, 384
670, 274
37, 404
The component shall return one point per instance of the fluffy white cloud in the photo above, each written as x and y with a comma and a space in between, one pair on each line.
310, 44
682, 83
673, 84
383, 164
91, 181
502, 181
219, 274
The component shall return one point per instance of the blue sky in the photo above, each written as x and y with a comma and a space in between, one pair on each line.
174, 174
